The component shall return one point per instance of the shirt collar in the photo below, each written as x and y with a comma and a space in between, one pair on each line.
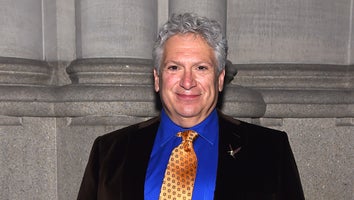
206, 129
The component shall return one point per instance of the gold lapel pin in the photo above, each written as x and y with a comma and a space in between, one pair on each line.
232, 151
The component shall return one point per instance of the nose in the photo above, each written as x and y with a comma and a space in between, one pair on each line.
187, 81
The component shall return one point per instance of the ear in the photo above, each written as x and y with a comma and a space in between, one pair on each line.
221, 80
156, 81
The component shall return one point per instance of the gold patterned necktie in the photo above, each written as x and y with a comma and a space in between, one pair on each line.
181, 169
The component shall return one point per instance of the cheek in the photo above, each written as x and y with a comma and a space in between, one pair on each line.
165, 82
168, 82
208, 85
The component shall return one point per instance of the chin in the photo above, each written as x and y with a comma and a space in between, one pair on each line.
188, 113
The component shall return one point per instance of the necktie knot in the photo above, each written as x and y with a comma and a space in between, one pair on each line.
188, 137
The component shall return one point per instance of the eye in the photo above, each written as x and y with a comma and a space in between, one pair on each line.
172, 68
202, 68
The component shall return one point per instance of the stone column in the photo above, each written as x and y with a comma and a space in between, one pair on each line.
289, 31
215, 9
113, 37
21, 46
21, 29
116, 28
114, 45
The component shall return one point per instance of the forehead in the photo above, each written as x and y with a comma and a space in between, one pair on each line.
188, 45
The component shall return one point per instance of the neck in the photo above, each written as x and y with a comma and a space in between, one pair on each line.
188, 122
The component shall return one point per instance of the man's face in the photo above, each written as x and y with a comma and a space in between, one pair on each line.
188, 81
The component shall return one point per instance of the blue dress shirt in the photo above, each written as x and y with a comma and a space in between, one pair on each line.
206, 149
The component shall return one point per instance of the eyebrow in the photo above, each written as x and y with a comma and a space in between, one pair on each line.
194, 64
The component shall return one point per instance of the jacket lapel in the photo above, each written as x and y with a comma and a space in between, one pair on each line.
231, 157
138, 158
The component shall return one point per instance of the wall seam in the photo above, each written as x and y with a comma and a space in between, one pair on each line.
350, 32
43, 27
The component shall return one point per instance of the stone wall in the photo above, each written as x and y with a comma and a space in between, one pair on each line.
73, 70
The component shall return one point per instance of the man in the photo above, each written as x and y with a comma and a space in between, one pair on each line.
236, 160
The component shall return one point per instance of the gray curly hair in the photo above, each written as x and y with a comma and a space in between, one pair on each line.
209, 29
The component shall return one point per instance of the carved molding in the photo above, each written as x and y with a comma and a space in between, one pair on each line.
19, 71
295, 76
272, 91
111, 71
301, 90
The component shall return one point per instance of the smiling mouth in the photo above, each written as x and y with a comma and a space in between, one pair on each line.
187, 97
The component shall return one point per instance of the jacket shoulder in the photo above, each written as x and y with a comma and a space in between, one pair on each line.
246, 129
125, 134
134, 128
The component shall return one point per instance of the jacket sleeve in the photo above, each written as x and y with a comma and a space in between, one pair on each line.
89, 184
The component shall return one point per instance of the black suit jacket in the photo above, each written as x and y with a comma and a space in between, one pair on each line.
262, 168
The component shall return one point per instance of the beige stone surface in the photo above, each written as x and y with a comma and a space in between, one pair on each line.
73, 70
